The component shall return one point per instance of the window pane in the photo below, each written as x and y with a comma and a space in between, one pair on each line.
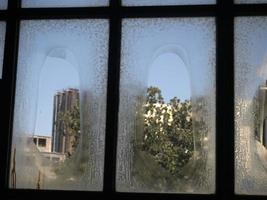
3, 4
166, 2
250, 1
60, 105
250, 105
2, 45
167, 106
63, 3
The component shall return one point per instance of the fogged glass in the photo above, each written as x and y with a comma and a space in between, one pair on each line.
62, 3
2, 45
3, 4
251, 105
250, 1
165, 2
167, 106
60, 105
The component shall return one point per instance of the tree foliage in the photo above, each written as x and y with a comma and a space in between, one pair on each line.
168, 134
70, 121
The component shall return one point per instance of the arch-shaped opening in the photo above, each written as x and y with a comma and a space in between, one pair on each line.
259, 106
168, 129
57, 126
169, 73
47, 54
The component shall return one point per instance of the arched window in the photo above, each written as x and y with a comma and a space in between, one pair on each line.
169, 73
58, 104
61, 85
166, 112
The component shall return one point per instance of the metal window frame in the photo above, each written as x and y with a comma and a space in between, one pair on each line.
224, 12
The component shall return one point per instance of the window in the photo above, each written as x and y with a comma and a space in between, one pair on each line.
64, 99
111, 48
162, 133
42, 142
250, 104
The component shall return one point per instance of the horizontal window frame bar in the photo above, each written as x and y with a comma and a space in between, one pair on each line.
4, 15
20, 193
63, 13
250, 10
249, 197
134, 12
106, 12
169, 11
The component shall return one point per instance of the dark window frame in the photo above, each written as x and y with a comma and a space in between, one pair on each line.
223, 12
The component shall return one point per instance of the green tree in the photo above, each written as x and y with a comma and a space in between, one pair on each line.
70, 120
168, 134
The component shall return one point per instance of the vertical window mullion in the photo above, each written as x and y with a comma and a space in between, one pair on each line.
112, 98
8, 90
225, 101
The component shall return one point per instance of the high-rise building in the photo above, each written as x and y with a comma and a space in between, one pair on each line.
65, 101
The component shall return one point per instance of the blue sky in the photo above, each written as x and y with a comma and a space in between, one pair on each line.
57, 74
168, 72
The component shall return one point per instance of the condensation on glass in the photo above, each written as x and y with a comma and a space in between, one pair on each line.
166, 2
251, 105
83, 45
145, 41
250, 1
3, 4
63, 3
2, 45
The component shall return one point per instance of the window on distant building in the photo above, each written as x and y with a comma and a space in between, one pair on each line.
41, 142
